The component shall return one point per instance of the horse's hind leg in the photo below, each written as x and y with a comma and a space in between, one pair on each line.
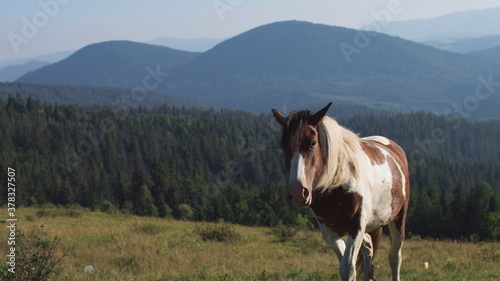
395, 256
367, 250
371, 242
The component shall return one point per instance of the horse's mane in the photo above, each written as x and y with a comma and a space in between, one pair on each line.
341, 150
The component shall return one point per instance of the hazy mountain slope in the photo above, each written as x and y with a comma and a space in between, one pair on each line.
50, 58
114, 63
190, 45
119, 98
465, 45
492, 54
292, 64
13, 72
473, 23
288, 65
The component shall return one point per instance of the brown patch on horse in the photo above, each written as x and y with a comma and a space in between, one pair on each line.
373, 152
399, 203
338, 210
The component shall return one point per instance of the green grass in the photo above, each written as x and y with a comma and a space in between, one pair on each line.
123, 247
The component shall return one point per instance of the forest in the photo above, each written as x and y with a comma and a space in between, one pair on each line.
208, 164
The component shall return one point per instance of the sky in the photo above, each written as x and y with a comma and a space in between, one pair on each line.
34, 27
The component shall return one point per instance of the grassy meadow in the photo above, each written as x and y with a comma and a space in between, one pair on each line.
125, 247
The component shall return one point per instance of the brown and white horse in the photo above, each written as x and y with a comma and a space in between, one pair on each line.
353, 185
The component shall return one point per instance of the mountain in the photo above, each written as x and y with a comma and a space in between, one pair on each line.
50, 58
465, 45
296, 64
290, 65
473, 23
114, 63
119, 98
191, 45
492, 54
13, 72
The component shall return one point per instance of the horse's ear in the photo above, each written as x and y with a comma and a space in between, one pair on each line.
318, 116
279, 117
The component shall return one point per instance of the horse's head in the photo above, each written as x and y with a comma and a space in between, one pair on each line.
301, 144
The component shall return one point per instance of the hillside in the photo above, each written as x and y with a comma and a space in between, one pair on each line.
204, 164
295, 64
190, 45
88, 95
289, 65
12, 72
113, 63
492, 54
50, 58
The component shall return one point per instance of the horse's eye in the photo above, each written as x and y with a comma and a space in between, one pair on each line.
312, 145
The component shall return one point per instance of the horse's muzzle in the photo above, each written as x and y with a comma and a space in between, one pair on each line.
300, 195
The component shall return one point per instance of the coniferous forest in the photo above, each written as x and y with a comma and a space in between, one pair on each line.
207, 164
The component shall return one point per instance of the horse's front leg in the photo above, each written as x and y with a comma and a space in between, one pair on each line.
334, 241
348, 262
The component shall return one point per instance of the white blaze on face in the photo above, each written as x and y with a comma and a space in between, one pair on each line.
298, 170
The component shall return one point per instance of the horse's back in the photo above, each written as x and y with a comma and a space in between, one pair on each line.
383, 144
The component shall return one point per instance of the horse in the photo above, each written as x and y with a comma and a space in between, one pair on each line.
353, 185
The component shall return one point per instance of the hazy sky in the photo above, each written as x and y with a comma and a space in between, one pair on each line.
33, 27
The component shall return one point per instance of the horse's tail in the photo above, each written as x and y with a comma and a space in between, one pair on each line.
360, 263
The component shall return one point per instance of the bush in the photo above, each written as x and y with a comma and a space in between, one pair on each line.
309, 243
493, 225
303, 222
220, 232
186, 211
108, 207
35, 257
284, 233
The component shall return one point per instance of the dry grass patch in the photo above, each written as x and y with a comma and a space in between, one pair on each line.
123, 247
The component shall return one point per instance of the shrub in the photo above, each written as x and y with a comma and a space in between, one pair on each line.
493, 224
35, 257
186, 211
309, 243
220, 232
303, 222
284, 233
108, 207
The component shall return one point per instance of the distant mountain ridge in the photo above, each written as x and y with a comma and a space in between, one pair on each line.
492, 54
13, 72
50, 58
190, 45
113, 63
289, 65
296, 64
472, 23
465, 45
